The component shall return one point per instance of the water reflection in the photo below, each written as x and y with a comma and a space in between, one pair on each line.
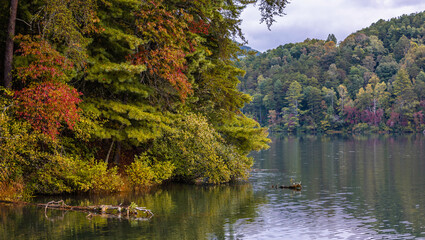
353, 188
181, 212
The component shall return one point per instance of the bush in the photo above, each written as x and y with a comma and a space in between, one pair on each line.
361, 128
18, 147
68, 174
198, 151
145, 171
30, 163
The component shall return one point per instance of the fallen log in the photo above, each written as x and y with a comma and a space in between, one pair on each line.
294, 186
110, 211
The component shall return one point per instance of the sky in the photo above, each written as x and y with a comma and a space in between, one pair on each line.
318, 18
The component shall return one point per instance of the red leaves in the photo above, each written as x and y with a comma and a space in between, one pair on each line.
394, 119
351, 114
354, 116
167, 63
46, 106
168, 40
48, 102
45, 63
372, 118
199, 27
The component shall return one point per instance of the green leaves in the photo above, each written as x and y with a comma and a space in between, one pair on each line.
136, 123
199, 152
155, 77
145, 171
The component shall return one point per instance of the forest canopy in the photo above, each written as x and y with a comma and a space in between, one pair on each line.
101, 92
374, 80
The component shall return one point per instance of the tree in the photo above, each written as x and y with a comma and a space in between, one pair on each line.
370, 99
294, 96
356, 79
331, 37
330, 95
344, 98
46, 106
313, 99
401, 48
420, 86
7, 79
291, 114
271, 8
406, 99
167, 41
363, 67
403, 87
386, 70
414, 61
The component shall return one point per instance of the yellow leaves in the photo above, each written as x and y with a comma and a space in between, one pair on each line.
361, 92
141, 135
145, 171
198, 151
121, 67
117, 74
118, 35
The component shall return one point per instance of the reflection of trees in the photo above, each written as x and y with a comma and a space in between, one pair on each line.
383, 175
201, 211
181, 212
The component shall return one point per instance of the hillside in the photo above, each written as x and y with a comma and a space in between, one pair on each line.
373, 80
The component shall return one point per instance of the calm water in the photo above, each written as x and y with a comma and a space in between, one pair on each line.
354, 188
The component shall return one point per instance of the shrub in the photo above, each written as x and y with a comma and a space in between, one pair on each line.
198, 151
145, 171
68, 174
17, 149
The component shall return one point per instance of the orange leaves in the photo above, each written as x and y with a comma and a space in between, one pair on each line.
48, 102
168, 41
199, 27
45, 63
167, 63
46, 106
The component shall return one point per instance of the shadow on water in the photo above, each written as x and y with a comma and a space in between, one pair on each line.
354, 187
181, 212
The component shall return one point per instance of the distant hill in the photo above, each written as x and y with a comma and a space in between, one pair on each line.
373, 80
248, 48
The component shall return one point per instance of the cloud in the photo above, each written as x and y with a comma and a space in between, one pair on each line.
318, 18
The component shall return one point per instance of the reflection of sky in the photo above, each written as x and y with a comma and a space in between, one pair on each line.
295, 215
354, 188
318, 18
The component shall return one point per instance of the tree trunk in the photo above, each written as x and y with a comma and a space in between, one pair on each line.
7, 81
117, 154
109, 152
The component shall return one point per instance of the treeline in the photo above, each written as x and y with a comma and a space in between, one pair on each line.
106, 92
374, 80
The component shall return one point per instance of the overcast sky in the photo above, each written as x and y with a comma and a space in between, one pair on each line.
318, 18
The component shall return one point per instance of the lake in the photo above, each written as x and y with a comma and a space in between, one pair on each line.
354, 187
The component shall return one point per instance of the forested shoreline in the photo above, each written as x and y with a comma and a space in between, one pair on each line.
108, 95
372, 81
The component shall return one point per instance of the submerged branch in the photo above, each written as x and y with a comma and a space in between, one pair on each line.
109, 211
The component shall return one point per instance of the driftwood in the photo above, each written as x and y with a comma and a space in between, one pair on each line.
294, 186
108, 211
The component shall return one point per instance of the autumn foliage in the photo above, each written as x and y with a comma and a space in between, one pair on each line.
46, 64
46, 106
138, 63
47, 102
168, 42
